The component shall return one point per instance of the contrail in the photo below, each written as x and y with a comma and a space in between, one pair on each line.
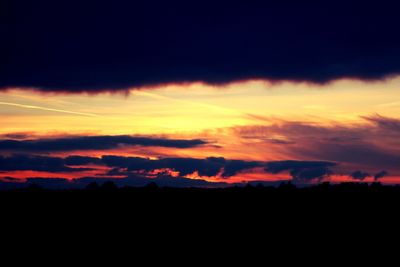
48, 109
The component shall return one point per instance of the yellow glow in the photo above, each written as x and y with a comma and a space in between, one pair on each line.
184, 109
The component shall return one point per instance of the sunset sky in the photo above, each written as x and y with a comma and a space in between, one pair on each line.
199, 94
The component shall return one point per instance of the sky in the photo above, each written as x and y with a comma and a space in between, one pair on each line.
199, 94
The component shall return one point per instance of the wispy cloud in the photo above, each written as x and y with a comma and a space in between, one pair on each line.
366, 146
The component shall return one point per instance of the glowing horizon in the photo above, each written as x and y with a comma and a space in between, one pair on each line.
246, 121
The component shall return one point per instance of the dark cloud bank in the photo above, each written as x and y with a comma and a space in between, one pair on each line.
135, 171
124, 171
119, 165
35, 163
302, 170
74, 46
93, 143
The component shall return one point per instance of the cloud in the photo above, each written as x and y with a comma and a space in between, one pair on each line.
19, 135
384, 123
35, 163
185, 166
81, 161
208, 167
172, 172
370, 145
359, 175
111, 45
124, 171
93, 143
380, 175
302, 171
122, 166
125, 166
234, 167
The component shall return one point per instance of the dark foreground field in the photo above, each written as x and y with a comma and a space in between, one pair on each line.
348, 196
198, 214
